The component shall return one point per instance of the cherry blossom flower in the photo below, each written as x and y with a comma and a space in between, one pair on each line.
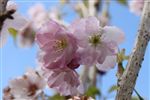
58, 58
65, 81
26, 87
136, 6
58, 45
17, 22
98, 46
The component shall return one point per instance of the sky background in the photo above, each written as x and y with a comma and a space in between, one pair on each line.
14, 60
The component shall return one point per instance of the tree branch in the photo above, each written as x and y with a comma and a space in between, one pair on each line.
3, 4
128, 80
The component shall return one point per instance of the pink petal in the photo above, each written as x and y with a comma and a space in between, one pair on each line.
64, 81
92, 25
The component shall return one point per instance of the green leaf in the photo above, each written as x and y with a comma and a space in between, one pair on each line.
13, 32
57, 97
92, 91
113, 88
86, 3
135, 98
121, 56
123, 2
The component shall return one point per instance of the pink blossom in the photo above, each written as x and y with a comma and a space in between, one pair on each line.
96, 43
58, 45
58, 58
65, 81
136, 6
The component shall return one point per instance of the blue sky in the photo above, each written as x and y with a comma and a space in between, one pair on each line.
15, 61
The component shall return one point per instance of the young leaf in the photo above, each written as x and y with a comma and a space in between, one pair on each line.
123, 2
135, 98
13, 32
92, 91
56, 97
86, 3
113, 88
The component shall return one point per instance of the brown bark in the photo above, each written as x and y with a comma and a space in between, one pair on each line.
3, 4
128, 80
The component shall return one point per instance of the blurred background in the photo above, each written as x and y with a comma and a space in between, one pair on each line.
14, 60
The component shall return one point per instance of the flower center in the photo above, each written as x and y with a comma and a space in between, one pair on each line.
32, 89
60, 44
95, 39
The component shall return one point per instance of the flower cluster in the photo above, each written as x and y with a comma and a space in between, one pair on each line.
84, 42
26, 87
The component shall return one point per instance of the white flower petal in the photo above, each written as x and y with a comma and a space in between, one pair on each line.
18, 22
108, 64
112, 33
35, 10
11, 6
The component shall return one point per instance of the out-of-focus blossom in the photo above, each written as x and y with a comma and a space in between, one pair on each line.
104, 19
59, 46
7, 94
81, 98
26, 35
81, 9
65, 81
136, 6
39, 16
97, 45
11, 6
17, 22
86, 8
26, 87
57, 16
